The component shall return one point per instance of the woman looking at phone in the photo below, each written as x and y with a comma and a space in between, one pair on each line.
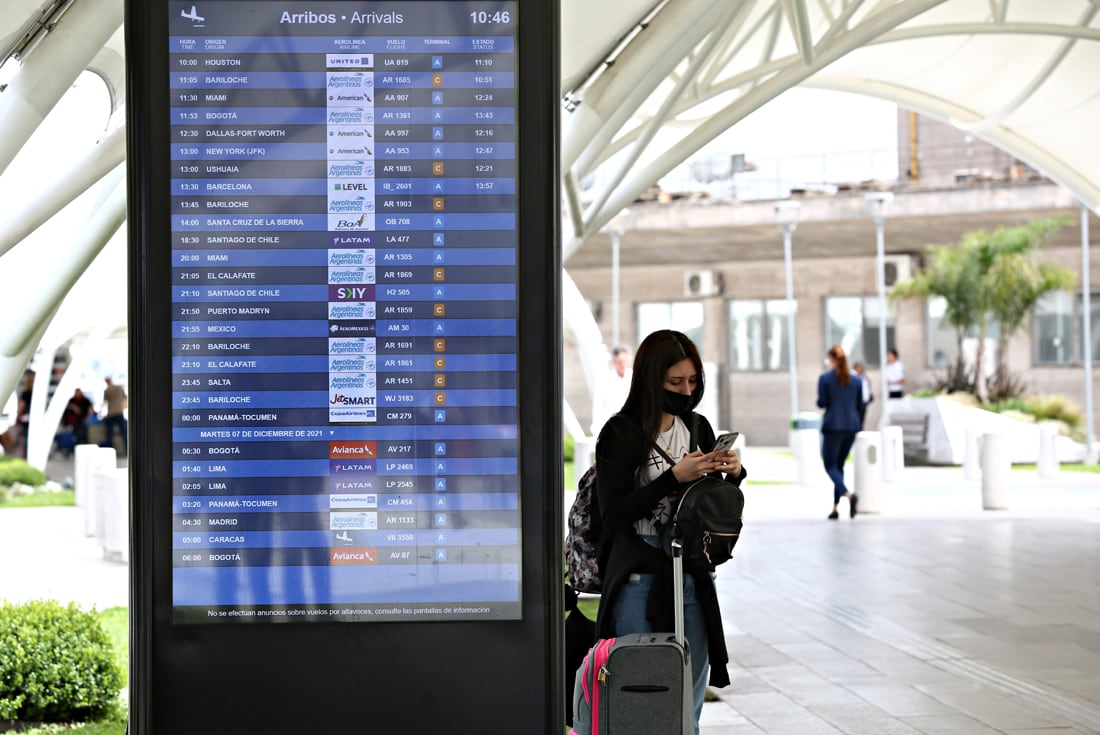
637, 487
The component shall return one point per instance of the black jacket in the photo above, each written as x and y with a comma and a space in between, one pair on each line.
621, 448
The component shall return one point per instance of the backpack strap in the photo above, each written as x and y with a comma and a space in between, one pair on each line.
693, 443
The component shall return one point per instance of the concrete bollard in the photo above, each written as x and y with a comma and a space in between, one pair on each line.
995, 469
112, 511
1049, 467
90, 459
82, 472
808, 451
868, 471
584, 454
972, 463
893, 453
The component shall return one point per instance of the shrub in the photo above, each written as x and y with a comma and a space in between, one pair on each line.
1055, 408
14, 470
569, 447
56, 664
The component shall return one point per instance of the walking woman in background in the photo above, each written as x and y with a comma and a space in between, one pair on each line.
636, 488
840, 393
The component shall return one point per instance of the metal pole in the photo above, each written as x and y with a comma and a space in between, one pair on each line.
880, 277
1086, 328
616, 236
791, 355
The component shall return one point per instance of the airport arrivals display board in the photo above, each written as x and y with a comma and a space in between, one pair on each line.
344, 276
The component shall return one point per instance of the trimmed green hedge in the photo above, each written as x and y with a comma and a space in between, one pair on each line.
14, 470
56, 664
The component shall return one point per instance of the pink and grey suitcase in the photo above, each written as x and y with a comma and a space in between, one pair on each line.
638, 684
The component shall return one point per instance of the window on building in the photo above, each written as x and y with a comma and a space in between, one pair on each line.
758, 334
942, 342
853, 322
1058, 326
683, 316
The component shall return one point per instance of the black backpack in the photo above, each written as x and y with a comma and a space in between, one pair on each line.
706, 518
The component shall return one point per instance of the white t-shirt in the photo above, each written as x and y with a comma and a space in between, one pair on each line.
675, 443
610, 397
895, 376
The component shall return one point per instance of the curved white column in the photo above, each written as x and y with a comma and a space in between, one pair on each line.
50, 69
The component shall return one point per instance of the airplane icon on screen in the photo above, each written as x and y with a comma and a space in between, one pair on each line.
345, 537
193, 15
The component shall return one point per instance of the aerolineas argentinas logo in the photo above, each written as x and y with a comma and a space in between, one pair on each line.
351, 346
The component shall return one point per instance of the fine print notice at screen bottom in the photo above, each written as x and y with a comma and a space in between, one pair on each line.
343, 294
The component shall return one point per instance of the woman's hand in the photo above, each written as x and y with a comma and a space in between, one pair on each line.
729, 462
695, 465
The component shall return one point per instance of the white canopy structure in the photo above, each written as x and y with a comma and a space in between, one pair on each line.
645, 85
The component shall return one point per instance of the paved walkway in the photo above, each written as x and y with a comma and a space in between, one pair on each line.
931, 617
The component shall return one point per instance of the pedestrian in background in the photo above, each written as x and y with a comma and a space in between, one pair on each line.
868, 395
895, 374
115, 402
840, 393
611, 393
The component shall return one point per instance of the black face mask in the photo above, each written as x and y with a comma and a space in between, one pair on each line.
677, 404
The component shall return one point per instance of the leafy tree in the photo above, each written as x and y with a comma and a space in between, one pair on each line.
950, 275
989, 278
1016, 280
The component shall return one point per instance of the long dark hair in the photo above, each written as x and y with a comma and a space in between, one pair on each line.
656, 354
843, 374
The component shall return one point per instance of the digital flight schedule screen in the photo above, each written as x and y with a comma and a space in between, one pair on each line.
345, 430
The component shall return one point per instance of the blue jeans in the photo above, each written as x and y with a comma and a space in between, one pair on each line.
629, 617
113, 424
835, 447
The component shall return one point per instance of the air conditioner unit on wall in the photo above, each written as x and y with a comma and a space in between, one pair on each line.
698, 284
898, 268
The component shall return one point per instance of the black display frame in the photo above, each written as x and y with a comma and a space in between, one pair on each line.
483, 676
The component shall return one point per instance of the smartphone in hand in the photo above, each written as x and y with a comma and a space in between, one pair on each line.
725, 442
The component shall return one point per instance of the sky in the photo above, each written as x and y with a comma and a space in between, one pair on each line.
806, 137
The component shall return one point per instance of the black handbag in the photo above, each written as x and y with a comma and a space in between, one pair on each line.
706, 518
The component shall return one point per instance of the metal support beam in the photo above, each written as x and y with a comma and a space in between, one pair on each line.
1086, 333
49, 71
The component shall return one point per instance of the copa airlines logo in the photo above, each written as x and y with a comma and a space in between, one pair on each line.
352, 500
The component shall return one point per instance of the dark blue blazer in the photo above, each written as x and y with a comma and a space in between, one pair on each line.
842, 403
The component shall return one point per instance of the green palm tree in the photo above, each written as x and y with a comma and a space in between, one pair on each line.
989, 278
1016, 280
951, 275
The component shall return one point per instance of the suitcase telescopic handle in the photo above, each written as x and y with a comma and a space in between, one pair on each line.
678, 591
